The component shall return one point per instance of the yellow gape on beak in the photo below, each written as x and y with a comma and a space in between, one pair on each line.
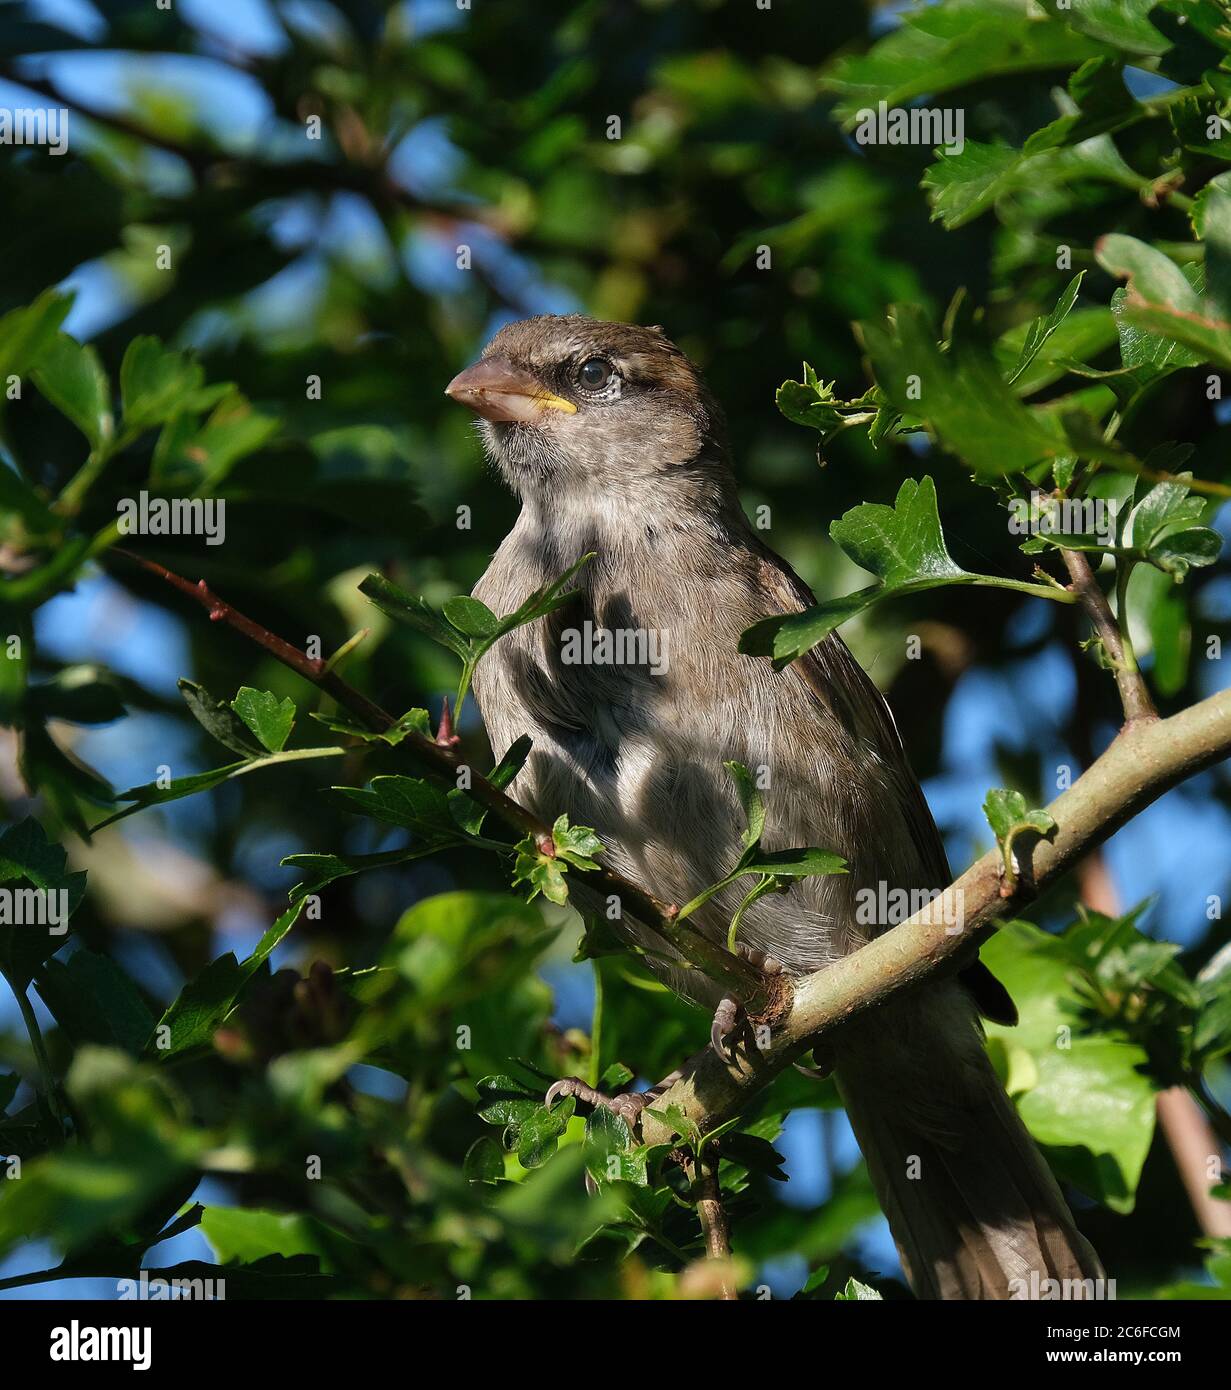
498, 390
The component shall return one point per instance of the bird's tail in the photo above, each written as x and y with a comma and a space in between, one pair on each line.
972, 1205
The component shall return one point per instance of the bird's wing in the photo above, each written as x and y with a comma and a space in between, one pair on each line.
837, 680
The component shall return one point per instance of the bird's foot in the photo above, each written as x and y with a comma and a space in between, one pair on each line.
729, 1015
628, 1105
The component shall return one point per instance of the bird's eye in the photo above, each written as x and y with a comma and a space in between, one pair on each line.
594, 374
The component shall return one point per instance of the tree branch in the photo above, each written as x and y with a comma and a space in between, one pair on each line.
1145, 760
1134, 694
707, 1195
758, 991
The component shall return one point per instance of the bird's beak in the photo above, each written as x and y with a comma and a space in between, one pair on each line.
497, 390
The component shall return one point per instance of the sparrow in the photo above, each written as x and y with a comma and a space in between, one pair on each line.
614, 445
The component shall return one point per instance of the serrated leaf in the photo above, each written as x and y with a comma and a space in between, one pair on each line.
27, 333
1161, 300
218, 719
269, 718
156, 383
577, 844
543, 873
414, 612
71, 376
1007, 814
795, 863
407, 801
902, 545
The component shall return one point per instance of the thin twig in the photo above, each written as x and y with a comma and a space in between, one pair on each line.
1134, 695
758, 992
707, 1196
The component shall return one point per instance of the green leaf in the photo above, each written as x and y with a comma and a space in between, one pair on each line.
812, 402
1212, 1032
94, 1001
27, 856
413, 612
1159, 529
407, 801
1211, 214
856, 1292
152, 794
414, 721
503, 1100
27, 333
795, 863
247, 1234
1099, 103
156, 383
750, 800
1161, 301
204, 1002
577, 844
140, 1151
960, 395
217, 718
544, 873
1093, 1098
963, 185
322, 869
469, 813
1042, 329
269, 718
72, 378
1007, 814
538, 1135
1122, 23
199, 458
1093, 1103
484, 1161
902, 545
1151, 274
938, 48
470, 617
544, 600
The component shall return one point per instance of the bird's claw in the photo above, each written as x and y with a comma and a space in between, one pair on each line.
627, 1106
727, 1017
730, 1012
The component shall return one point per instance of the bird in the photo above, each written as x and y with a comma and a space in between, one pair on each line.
610, 438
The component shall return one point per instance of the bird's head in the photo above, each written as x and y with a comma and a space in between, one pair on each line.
568, 402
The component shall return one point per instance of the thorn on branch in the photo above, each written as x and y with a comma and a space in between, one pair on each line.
445, 736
